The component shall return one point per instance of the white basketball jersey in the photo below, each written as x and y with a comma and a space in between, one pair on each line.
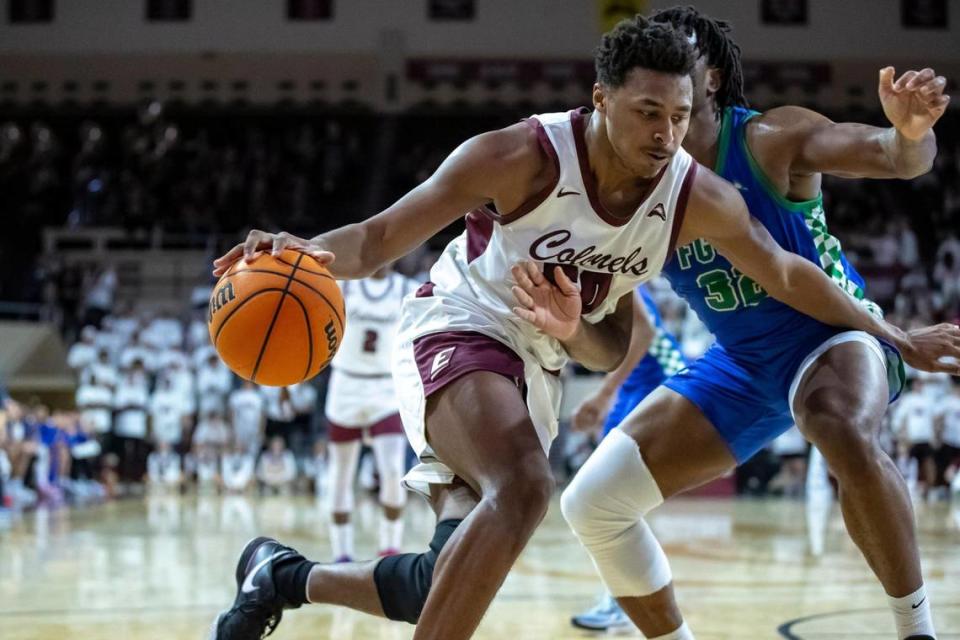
566, 225
373, 313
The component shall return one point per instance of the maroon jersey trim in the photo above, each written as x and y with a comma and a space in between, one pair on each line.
538, 198
681, 210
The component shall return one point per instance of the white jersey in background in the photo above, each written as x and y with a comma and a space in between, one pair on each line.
373, 315
360, 391
247, 416
95, 402
914, 415
949, 412
565, 225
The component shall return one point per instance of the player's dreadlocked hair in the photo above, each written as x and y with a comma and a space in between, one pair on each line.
713, 41
638, 42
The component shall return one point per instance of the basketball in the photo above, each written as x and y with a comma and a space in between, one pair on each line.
277, 320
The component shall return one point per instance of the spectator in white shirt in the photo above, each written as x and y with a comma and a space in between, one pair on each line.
281, 413
205, 463
94, 400
202, 353
198, 334
277, 467
100, 294
183, 382
248, 417
164, 469
213, 432
123, 321
165, 331
237, 469
913, 424
83, 353
131, 401
948, 435
166, 414
138, 350
102, 369
214, 381
167, 356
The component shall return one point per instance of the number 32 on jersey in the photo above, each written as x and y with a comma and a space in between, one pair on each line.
724, 289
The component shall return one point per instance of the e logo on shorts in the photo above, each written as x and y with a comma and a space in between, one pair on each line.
441, 360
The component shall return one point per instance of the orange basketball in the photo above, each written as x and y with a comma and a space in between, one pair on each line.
277, 320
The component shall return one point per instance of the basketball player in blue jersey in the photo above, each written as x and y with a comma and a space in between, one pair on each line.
597, 198
770, 364
653, 356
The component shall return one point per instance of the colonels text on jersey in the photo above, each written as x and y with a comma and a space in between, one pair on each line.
566, 225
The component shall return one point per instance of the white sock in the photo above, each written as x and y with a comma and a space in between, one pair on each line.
341, 539
391, 534
681, 633
912, 614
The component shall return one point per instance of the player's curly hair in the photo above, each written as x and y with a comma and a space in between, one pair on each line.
639, 42
714, 42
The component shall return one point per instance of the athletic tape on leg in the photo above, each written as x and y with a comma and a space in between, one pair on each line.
605, 504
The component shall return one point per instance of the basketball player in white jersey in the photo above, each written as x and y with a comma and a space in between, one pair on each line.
361, 402
568, 213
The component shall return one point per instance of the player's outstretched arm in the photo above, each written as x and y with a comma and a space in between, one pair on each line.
494, 166
912, 103
717, 213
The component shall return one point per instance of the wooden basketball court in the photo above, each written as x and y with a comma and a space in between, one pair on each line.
161, 568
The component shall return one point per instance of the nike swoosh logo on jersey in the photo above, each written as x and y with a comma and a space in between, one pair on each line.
562, 193
248, 586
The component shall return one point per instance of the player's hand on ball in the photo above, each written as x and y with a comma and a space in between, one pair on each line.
259, 241
592, 412
914, 102
935, 348
554, 309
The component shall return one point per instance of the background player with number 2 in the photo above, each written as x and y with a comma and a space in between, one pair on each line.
361, 403
568, 213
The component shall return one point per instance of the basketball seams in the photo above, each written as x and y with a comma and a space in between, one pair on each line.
304, 283
240, 304
304, 269
273, 321
306, 319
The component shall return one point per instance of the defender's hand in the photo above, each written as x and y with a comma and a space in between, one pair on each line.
592, 412
258, 241
914, 102
554, 309
935, 348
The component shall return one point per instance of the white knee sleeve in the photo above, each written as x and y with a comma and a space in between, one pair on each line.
390, 451
605, 504
341, 471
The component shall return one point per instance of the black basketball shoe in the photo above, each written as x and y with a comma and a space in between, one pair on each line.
258, 607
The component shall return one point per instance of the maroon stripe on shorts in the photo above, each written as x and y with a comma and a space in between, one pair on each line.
339, 433
444, 357
390, 425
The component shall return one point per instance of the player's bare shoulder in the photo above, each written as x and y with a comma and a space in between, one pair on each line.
711, 201
516, 161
